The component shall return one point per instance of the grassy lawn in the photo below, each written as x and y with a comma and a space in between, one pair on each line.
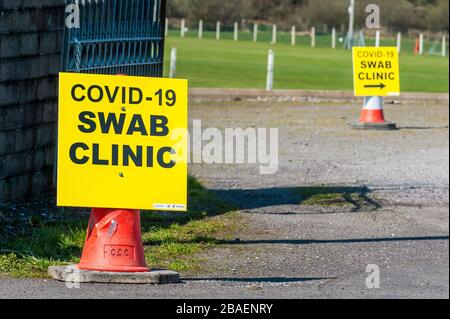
171, 239
242, 64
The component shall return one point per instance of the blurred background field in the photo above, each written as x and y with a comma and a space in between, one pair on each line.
225, 63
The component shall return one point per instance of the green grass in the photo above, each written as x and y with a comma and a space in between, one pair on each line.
353, 198
227, 64
171, 239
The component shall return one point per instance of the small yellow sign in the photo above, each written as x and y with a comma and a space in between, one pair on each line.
376, 71
122, 142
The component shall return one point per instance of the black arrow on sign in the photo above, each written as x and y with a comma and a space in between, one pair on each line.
381, 86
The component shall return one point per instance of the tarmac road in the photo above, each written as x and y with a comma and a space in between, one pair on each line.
289, 250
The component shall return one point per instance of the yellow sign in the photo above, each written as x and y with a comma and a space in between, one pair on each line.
121, 142
376, 71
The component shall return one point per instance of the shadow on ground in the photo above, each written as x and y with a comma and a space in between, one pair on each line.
353, 198
333, 241
258, 279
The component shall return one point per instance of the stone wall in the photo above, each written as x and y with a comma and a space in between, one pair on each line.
31, 35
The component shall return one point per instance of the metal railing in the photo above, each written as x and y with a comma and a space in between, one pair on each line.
116, 37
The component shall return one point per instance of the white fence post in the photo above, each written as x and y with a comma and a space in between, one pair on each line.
377, 38
182, 28
270, 67
200, 29
399, 42
166, 27
218, 30
293, 35
421, 44
173, 63
333, 38
313, 37
274, 34
236, 31
255, 32
444, 45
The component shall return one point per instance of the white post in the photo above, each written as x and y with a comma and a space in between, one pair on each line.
293, 35
421, 44
351, 22
182, 28
313, 37
377, 38
274, 34
333, 38
166, 27
173, 63
218, 30
399, 42
270, 67
255, 32
200, 29
236, 31
444, 45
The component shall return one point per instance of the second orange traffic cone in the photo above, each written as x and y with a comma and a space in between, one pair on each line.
417, 47
372, 115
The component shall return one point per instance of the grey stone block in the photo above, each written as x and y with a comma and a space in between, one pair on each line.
49, 156
29, 68
50, 112
17, 187
29, 44
32, 20
4, 190
54, 65
9, 45
27, 91
8, 94
32, 114
11, 117
49, 43
7, 142
41, 181
73, 274
45, 135
16, 164
24, 139
46, 89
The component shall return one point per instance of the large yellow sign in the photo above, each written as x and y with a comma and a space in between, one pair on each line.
376, 71
121, 142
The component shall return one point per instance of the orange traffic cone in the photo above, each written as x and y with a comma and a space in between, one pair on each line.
417, 47
114, 242
372, 115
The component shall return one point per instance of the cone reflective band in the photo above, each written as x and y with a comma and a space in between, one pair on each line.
376, 71
122, 142
372, 111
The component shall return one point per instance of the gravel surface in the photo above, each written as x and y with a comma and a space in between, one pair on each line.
288, 250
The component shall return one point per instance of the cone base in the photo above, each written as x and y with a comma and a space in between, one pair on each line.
71, 274
113, 269
386, 126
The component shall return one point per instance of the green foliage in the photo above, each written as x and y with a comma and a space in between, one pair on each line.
397, 15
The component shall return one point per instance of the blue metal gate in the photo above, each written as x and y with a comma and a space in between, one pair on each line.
116, 37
